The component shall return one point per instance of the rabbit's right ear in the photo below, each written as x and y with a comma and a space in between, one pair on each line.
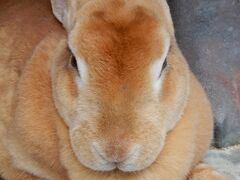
64, 11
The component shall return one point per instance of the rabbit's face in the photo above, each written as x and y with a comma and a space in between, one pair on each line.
120, 87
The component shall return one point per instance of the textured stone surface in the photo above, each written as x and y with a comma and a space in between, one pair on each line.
208, 32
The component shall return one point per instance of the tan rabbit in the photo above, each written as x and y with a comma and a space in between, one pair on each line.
116, 100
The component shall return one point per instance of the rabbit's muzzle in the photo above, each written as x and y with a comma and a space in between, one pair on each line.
118, 154
122, 151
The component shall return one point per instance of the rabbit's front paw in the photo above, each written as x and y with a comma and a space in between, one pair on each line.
205, 172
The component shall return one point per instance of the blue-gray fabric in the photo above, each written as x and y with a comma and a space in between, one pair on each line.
226, 161
208, 32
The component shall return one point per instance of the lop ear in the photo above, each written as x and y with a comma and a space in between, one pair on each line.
64, 11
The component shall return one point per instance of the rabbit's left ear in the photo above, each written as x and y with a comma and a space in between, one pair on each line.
65, 11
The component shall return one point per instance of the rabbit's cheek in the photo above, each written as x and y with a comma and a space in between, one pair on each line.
64, 91
81, 141
142, 158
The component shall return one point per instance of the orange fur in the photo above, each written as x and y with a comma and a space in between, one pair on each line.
48, 123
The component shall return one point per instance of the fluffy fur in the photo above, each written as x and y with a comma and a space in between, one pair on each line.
61, 123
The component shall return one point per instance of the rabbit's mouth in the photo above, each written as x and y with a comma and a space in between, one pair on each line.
122, 163
130, 163
123, 155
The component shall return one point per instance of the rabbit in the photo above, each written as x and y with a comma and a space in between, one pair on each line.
110, 98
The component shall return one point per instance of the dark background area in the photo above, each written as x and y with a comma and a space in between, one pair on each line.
208, 33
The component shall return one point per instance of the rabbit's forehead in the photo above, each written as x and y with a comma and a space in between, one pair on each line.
120, 32
124, 43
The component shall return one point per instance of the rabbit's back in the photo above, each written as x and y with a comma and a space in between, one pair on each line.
23, 24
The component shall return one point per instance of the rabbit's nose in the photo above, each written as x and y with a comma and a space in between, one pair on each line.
114, 152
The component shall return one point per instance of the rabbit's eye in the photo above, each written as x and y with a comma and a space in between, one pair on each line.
164, 65
74, 63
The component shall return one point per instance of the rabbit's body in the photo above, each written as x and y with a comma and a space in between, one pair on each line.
167, 133
23, 24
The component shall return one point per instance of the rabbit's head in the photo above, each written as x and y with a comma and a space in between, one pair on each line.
121, 83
